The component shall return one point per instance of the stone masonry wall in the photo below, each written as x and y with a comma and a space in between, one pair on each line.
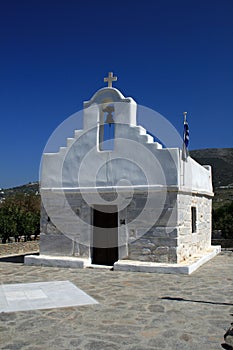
190, 244
147, 225
153, 227
65, 225
154, 237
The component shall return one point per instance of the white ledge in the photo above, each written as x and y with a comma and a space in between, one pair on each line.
125, 265
138, 188
56, 261
185, 268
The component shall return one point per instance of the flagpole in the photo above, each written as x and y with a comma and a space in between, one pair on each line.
184, 150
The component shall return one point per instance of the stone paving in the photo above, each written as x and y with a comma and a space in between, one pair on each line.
136, 311
9, 249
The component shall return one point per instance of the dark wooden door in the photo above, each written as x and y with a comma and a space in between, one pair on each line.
105, 242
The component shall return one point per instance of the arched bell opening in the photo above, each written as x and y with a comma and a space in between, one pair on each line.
107, 128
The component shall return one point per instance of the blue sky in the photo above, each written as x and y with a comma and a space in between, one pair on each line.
171, 56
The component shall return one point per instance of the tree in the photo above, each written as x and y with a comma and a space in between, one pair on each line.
8, 224
223, 220
19, 215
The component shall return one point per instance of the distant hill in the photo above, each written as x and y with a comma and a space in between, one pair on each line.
30, 188
221, 161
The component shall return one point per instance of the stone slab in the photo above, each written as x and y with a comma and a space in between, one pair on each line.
56, 261
182, 268
41, 295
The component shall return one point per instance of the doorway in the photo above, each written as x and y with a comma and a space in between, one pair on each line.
105, 242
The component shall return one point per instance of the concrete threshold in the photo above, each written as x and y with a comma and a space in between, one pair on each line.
63, 261
102, 267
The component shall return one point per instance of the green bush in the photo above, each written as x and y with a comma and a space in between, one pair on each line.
19, 215
223, 220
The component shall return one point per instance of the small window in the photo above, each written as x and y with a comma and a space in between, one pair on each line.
194, 219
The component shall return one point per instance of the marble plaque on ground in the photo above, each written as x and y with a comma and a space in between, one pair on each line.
42, 295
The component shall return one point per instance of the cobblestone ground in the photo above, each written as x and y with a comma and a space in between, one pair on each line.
136, 310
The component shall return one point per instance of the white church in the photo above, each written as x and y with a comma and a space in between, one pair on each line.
114, 197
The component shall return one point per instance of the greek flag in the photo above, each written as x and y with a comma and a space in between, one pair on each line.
185, 153
186, 134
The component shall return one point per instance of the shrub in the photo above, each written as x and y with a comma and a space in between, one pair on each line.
223, 220
19, 215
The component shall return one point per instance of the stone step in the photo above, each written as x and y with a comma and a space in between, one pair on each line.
62, 150
77, 133
140, 129
148, 138
155, 145
70, 141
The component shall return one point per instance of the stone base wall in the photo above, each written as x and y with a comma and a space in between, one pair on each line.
65, 225
170, 239
157, 245
154, 237
192, 243
155, 226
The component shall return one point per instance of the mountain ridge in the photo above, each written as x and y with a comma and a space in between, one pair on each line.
221, 161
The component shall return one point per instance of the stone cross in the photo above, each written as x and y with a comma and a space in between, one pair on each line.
110, 79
